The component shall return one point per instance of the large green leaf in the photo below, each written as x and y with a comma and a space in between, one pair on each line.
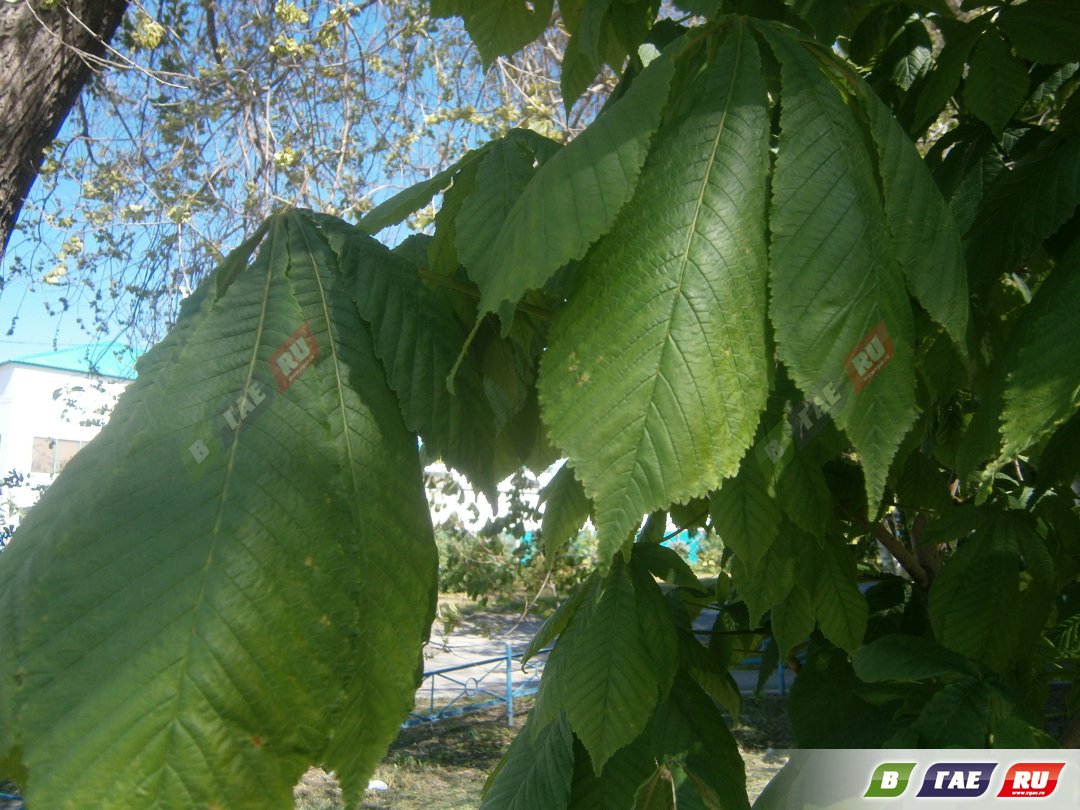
745, 515
498, 27
657, 792
396, 208
838, 304
793, 620
687, 731
1024, 206
804, 495
575, 196
929, 96
566, 508
957, 716
924, 237
688, 726
997, 82
418, 339
975, 599
1035, 386
501, 177
841, 610
768, 581
609, 683
616, 785
1043, 30
1042, 387
907, 658
535, 772
657, 369
234, 579
830, 708
558, 621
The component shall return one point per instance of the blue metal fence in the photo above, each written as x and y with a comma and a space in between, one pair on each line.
475, 685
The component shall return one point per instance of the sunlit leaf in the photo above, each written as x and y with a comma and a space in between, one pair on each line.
657, 371
232, 582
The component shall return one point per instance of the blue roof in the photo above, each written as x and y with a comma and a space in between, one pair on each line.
106, 359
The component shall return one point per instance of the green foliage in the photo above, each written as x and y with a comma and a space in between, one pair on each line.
744, 299
258, 626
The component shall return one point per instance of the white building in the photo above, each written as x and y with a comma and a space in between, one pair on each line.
51, 404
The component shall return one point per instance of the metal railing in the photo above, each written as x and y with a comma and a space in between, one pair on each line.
476, 685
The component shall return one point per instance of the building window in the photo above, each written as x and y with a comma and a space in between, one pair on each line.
52, 455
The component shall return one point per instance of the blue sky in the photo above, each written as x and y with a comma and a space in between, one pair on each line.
35, 330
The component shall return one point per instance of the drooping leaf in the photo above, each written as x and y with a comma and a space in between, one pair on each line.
1042, 388
574, 197
501, 176
841, 610
232, 582
657, 792
498, 27
908, 55
657, 371
1035, 387
397, 208
838, 303
570, 624
1025, 206
442, 250
560, 619
907, 658
768, 581
929, 97
656, 624
666, 564
924, 237
609, 684
1045, 31
804, 495
996, 84
616, 785
566, 508
744, 513
709, 671
689, 729
418, 339
535, 772
793, 620
974, 601
830, 708
956, 716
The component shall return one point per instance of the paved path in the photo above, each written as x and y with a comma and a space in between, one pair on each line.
477, 637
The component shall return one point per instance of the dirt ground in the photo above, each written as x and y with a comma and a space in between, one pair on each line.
442, 766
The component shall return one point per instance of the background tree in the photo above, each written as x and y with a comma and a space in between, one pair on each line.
808, 278
50, 50
213, 114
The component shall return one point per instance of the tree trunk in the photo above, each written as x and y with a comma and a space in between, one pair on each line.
47, 50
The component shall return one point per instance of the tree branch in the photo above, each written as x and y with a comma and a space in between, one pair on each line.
903, 555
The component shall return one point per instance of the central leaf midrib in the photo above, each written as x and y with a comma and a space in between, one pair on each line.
215, 532
667, 343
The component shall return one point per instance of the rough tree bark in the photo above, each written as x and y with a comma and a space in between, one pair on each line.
46, 50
